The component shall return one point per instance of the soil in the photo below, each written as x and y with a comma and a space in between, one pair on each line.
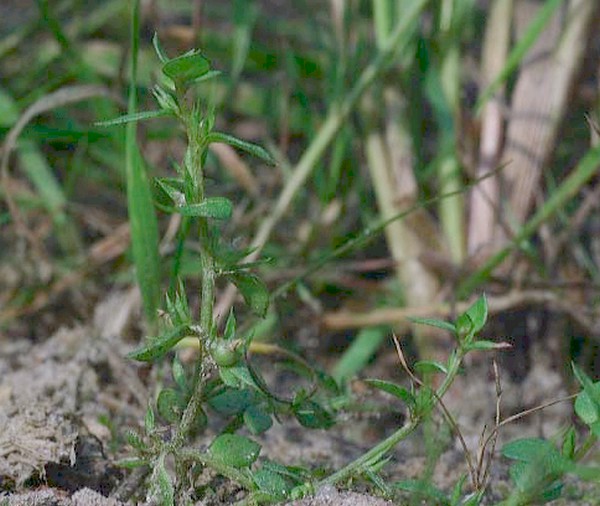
64, 404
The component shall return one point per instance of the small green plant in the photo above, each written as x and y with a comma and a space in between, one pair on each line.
223, 380
421, 399
540, 465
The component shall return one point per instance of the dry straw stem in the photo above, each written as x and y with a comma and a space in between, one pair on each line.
540, 98
484, 197
396, 43
496, 304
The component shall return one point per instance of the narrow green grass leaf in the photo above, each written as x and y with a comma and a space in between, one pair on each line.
142, 218
423, 490
132, 463
133, 117
39, 172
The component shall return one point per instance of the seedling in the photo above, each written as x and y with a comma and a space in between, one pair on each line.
223, 379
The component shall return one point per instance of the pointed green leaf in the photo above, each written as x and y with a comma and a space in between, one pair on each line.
168, 405
248, 147
186, 68
219, 208
433, 322
569, 443
234, 450
587, 404
254, 291
485, 345
229, 332
149, 420
135, 440
465, 328
430, 366
162, 56
179, 374
169, 191
257, 419
161, 485
157, 347
391, 388
136, 116
478, 313
312, 415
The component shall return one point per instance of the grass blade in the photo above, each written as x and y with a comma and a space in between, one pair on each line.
142, 218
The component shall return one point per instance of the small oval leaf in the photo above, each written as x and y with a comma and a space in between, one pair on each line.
257, 420
272, 483
186, 68
234, 450
168, 405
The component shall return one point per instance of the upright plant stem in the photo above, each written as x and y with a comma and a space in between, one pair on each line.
193, 163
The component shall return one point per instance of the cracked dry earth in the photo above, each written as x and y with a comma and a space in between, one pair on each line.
64, 402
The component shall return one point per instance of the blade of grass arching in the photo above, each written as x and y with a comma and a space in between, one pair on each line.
368, 234
533, 31
36, 168
585, 170
142, 218
59, 98
397, 43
